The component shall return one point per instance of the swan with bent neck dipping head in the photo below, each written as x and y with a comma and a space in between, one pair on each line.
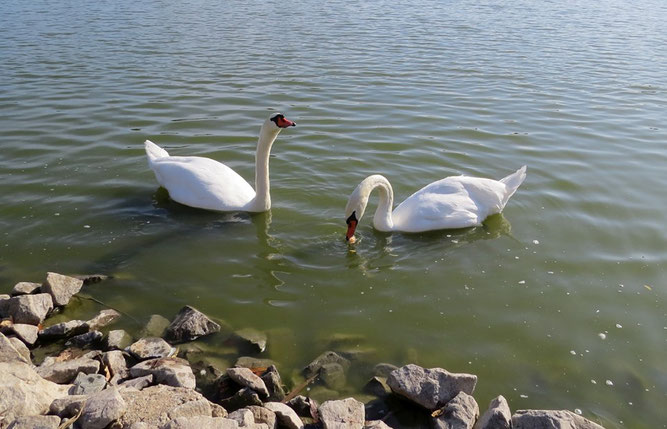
207, 184
449, 203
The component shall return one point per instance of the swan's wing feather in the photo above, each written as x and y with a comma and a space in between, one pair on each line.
202, 182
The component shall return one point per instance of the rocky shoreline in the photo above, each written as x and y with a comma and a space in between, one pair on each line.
95, 377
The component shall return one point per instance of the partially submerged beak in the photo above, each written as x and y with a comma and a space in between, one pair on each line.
283, 122
351, 227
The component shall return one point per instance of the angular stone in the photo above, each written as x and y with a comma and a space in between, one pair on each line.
201, 422
218, 410
171, 371
247, 378
61, 287
459, 413
89, 339
23, 392
549, 419
65, 371
274, 384
199, 407
151, 348
102, 408
67, 406
429, 388
35, 422
383, 369
190, 324
333, 376
117, 339
303, 406
30, 309
25, 288
9, 353
241, 399
377, 386
115, 362
264, 415
251, 362
27, 333
64, 330
285, 415
103, 319
346, 413
243, 417
251, 339
87, 384
20, 347
137, 383
4, 305
156, 326
497, 416
325, 358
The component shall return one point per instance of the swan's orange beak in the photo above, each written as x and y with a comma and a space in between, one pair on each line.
283, 122
351, 227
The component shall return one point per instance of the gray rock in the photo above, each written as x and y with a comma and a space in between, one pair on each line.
251, 339
19, 346
333, 376
303, 406
376, 424
64, 330
91, 278
102, 408
9, 353
459, 413
251, 362
27, 333
25, 288
429, 388
285, 415
67, 406
87, 384
137, 383
551, 419
171, 371
190, 324
377, 386
383, 369
103, 319
218, 410
35, 422
117, 340
247, 378
342, 414
325, 358
264, 415
497, 416
23, 392
243, 417
65, 371
61, 287
200, 407
241, 399
30, 309
115, 362
201, 422
89, 339
4, 305
139, 425
151, 348
156, 326
274, 384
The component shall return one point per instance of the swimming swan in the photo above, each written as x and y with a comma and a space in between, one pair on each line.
208, 184
452, 202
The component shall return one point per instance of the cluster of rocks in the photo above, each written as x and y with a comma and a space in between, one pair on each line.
102, 378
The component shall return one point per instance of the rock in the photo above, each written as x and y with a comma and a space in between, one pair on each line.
303, 406
376, 424
377, 386
23, 392
151, 348
201, 422
342, 414
91, 278
322, 394
137, 383
459, 413
61, 287
87, 384
333, 376
171, 371
251, 362
35, 422
67, 406
241, 399
20, 347
498, 416
27, 333
156, 326
4, 305
117, 340
102, 408
274, 384
103, 319
30, 309
200, 407
325, 358
285, 415
247, 378
383, 369
115, 362
251, 339
64, 371
9, 353
25, 288
218, 410
89, 339
243, 417
64, 330
190, 324
429, 388
549, 419
264, 415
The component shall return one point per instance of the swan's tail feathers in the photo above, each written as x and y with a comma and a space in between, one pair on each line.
154, 151
512, 183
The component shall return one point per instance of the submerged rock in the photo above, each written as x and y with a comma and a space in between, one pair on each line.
103, 319
30, 309
548, 419
91, 278
150, 348
117, 339
251, 362
190, 324
377, 386
61, 288
26, 288
155, 327
251, 339
171, 371
344, 413
333, 376
498, 416
325, 358
429, 388
459, 413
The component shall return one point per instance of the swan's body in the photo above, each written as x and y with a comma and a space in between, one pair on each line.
208, 184
449, 203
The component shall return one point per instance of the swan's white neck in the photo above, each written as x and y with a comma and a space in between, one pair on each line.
267, 136
382, 220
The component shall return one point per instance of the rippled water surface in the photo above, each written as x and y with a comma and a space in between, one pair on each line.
416, 91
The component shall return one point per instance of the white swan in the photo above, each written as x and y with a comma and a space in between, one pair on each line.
208, 184
452, 202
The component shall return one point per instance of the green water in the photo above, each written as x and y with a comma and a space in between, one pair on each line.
415, 91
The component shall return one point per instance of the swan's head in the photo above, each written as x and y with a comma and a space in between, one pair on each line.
278, 121
356, 206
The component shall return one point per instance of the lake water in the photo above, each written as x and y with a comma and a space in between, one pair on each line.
416, 91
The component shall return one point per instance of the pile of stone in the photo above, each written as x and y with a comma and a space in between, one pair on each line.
102, 378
